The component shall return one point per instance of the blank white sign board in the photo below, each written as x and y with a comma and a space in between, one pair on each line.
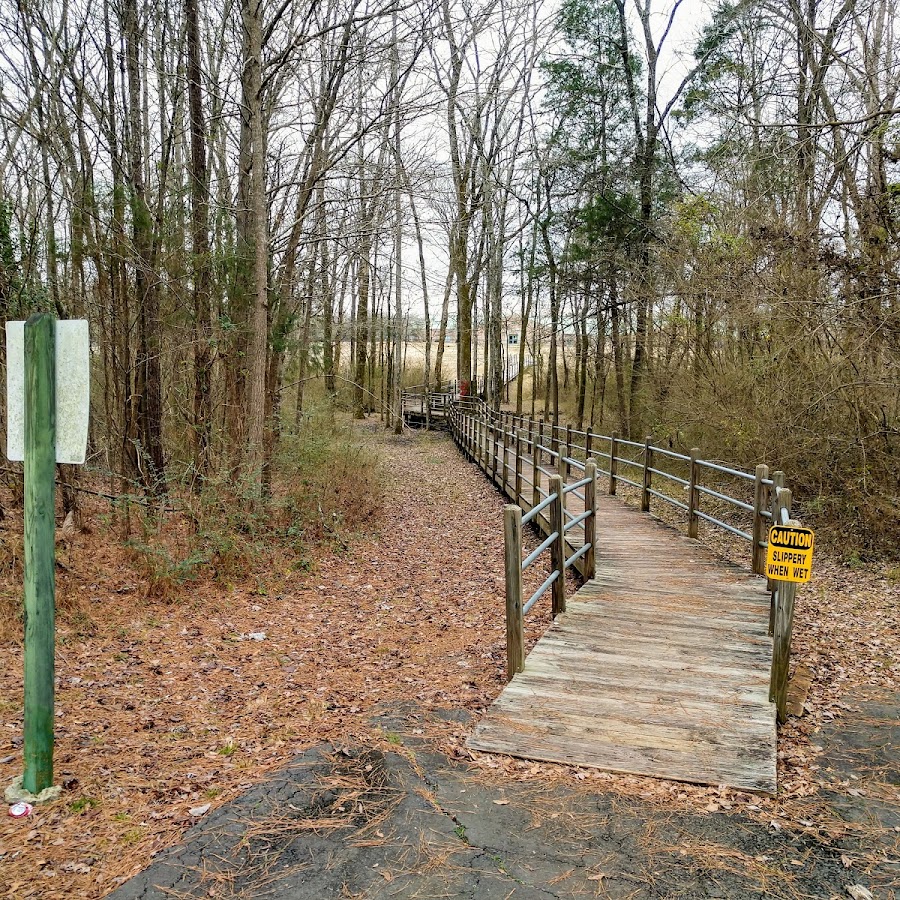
73, 390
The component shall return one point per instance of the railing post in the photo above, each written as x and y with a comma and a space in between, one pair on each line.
645, 491
494, 451
535, 463
693, 496
772, 586
554, 438
781, 651
504, 471
588, 444
590, 523
517, 490
531, 448
758, 558
558, 547
515, 628
476, 442
783, 625
566, 453
613, 450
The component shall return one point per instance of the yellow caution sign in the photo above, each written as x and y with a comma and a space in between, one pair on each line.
789, 557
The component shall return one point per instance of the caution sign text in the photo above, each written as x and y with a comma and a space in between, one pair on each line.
789, 557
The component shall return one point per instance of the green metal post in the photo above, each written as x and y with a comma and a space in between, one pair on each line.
40, 584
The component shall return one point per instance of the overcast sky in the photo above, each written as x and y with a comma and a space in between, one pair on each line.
675, 61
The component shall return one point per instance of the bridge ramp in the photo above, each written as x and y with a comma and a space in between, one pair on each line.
660, 666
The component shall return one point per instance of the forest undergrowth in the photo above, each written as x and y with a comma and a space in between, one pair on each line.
181, 683
846, 485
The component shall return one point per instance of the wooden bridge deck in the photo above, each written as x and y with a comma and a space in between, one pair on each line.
660, 666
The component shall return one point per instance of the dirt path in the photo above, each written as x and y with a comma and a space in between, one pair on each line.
355, 704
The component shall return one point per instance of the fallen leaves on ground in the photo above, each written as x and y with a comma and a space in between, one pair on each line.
165, 709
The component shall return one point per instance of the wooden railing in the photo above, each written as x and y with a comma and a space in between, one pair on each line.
555, 542
513, 458
683, 481
430, 404
510, 448
439, 396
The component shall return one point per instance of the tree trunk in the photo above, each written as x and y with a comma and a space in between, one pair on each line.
362, 320
618, 353
200, 267
258, 338
442, 329
146, 402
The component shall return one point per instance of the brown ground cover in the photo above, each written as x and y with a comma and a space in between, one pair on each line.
168, 704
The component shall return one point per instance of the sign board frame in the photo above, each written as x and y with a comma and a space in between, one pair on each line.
789, 554
73, 391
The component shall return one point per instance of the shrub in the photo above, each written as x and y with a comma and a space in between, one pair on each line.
324, 488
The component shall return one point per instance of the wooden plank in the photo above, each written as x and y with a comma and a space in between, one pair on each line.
637, 752
692, 632
570, 658
599, 615
591, 652
739, 602
698, 738
622, 682
659, 763
713, 641
649, 708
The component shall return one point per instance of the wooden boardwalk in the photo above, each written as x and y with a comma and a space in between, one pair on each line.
660, 666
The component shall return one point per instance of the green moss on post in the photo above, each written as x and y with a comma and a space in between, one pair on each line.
40, 581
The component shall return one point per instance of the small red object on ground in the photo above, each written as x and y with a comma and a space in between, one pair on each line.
20, 810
